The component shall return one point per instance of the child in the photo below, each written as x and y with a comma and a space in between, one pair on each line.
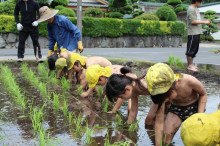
77, 63
201, 129
117, 79
185, 93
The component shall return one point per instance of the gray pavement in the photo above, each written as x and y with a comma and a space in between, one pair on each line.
204, 55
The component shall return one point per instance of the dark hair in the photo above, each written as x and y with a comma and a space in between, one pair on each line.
116, 85
194, 1
51, 61
125, 70
160, 98
77, 64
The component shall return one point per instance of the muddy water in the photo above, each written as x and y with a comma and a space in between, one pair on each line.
16, 127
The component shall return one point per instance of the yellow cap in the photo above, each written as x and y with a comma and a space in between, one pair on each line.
63, 50
159, 78
201, 129
72, 58
60, 64
93, 73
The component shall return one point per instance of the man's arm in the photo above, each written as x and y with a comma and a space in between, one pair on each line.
16, 13
159, 125
52, 41
197, 86
195, 22
37, 7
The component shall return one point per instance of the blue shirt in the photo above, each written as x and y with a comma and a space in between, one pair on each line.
64, 32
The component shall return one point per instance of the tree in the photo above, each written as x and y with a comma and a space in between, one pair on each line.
44, 2
121, 6
59, 2
211, 28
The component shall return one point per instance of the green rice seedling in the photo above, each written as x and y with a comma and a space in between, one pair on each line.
65, 85
175, 61
71, 117
42, 135
122, 143
134, 126
79, 90
119, 121
43, 89
106, 105
77, 121
100, 91
107, 141
29, 75
36, 116
43, 73
171, 60
56, 102
89, 133
65, 108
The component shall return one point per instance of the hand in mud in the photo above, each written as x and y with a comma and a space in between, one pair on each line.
84, 94
111, 112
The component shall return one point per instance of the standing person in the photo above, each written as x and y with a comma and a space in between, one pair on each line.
194, 29
185, 93
27, 26
61, 30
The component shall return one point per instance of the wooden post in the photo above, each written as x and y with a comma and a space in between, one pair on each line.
79, 17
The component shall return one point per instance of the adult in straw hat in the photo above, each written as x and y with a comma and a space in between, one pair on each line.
185, 94
61, 30
27, 26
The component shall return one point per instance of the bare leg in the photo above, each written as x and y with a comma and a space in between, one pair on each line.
172, 124
190, 64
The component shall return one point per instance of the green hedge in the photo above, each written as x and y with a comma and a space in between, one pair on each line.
109, 27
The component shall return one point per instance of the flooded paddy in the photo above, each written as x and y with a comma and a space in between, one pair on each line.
66, 119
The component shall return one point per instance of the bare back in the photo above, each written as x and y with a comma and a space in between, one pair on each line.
103, 62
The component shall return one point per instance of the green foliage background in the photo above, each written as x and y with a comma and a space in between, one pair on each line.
109, 27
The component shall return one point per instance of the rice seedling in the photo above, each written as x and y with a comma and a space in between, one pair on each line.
134, 126
106, 105
107, 141
89, 133
36, 116
100, 91
174, 61
43, 89
71, 117
79, 90
122, 143
213, 50
43, 73
77, 121
56, 102
65, 85
65, 108
119, 121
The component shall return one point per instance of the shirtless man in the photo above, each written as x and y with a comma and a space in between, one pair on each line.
185, 93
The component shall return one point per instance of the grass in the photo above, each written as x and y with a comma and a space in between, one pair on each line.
175, 61
56, 102
134, 126
12, 87
89, 133
213, 50
36, 115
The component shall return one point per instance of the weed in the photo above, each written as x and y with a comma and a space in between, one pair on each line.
88, 134
213, 50
174, 61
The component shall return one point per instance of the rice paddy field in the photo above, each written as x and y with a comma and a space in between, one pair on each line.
38, 109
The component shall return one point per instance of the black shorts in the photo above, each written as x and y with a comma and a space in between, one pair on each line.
192, 45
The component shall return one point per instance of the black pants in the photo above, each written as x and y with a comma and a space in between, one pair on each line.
33, 32
193, 45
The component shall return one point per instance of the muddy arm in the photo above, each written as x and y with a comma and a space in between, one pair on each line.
151, 115
85, 94
159, 124
133, 111
117, 106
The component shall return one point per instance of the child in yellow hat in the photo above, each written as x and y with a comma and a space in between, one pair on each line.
78, 63
201, 130
184, 92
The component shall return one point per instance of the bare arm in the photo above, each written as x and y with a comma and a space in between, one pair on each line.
159, 125
195, 22
117, 106
134, 110
151, 115
85, 94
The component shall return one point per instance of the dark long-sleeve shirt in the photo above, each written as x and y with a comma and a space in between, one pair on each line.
28, 12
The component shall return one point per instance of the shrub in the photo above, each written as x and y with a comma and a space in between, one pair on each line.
137, 13
210, 12
67, 12
136, 6
7, 8
59, 7
147, 16
174, 2
209, 38
59, 2
180, 8
166, 13
44, 2
93, 12
114, 15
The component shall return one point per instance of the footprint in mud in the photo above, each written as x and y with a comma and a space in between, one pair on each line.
70, 108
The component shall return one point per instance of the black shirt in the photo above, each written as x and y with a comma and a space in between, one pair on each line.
28, 11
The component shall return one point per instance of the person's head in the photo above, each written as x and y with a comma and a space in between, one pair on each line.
97, 75
51, 61
46, 14
75, 62
61, 67
201, 129
160, 81
197, 2
122, 86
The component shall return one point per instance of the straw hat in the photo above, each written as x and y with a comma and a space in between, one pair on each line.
46, 13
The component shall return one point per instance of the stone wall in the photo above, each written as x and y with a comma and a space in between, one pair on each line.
10, 41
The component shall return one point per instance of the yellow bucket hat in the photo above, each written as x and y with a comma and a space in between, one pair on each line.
60, 64
93, 73
159, 78
72, 58
201, 129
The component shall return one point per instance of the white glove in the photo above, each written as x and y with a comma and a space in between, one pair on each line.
35, 23
19, 27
